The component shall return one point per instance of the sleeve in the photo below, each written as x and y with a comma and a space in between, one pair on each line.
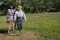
15, 16
24, 16
8, 12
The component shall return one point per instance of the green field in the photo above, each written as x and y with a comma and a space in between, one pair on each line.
46, 26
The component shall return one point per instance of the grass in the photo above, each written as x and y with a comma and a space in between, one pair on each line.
46, 24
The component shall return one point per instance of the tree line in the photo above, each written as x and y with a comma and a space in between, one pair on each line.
35, 5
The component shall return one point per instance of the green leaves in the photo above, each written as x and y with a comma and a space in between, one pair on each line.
36, 5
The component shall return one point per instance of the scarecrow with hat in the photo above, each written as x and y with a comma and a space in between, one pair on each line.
19, 17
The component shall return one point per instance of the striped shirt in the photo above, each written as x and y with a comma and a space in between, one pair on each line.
11, 12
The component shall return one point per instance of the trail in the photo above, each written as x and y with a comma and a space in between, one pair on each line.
28, 35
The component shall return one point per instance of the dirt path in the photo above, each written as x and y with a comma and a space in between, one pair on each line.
28, 35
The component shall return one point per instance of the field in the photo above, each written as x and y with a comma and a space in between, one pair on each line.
38, 26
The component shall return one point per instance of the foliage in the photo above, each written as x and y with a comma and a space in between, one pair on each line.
42, 5
36, 5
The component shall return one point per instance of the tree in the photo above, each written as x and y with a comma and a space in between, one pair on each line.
36, 5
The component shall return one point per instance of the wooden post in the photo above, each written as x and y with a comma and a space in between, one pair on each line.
18, 2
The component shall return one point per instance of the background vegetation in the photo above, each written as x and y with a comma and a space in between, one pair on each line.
41, 26
35, 5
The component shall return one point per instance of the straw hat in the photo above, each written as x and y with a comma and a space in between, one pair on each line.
19, 7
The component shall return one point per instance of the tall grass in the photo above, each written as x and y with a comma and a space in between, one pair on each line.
47, 24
